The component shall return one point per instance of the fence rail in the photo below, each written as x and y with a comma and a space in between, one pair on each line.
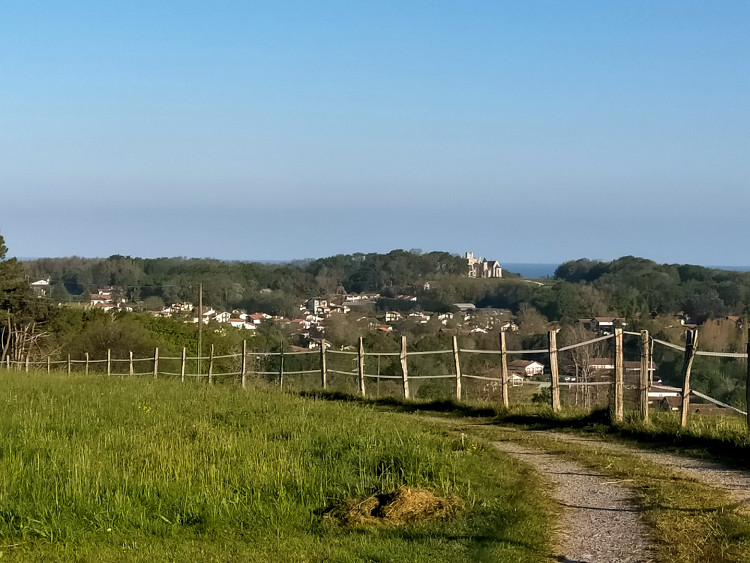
504, 381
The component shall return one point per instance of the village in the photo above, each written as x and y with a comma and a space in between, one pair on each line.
371, 313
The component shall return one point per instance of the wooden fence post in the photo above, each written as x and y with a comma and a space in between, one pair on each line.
7, 362
243, 368
109, 361
156, 362
49, 365
361, 358
553, 368
281, 367
691, 341
211, 366
504, 370
619, 374
645, 374
86, 370
182, 364
69, 365
28, 353
323, 369
404, 369
457, 366
131, 371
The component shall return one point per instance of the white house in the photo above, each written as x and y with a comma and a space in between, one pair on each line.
316, 305
41, 288
528, 368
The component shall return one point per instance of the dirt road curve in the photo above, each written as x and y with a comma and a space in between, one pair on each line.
736, 482
600, 521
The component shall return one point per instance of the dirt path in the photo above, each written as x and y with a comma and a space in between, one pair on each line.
600, 521
736, 482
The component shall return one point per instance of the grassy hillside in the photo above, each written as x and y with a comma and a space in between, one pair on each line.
111, 469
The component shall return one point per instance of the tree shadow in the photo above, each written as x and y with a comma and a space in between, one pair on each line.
597, 422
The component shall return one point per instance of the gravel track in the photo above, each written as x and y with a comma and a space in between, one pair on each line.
736, 482
600, 521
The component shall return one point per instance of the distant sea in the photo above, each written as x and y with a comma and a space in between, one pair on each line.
531, 271
732, 268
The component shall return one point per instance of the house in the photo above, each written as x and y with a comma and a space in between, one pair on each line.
237, 322
392, 316
420, 315
257, 318
316, 305
674, 404
166, 313
185, 307
222, 317
606, 325
300, 324
342, 309
99, 299
353, 297
528, 368
315, 343
41, 288
515, 380
608, 364
479, 268
661, 391
111, 294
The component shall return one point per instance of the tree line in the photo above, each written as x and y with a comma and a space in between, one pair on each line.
644, 292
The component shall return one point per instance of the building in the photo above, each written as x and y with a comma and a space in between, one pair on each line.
479, 268
317, 305
527, 368
606, 325
41, 288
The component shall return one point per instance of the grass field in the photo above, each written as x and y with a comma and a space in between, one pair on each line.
124, 469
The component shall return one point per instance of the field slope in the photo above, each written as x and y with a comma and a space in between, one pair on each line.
111, 469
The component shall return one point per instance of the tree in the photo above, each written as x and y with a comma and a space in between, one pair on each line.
19, 309
579, 361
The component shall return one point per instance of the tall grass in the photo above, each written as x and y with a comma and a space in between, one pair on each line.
97, 468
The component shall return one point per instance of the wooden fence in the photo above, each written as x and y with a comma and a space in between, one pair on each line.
551, 352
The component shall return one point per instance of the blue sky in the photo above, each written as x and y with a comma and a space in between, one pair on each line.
524, 131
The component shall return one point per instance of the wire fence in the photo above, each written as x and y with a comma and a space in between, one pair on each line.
591, 373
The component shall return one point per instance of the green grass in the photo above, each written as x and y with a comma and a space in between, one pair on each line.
724, 438
691, 521
124, 469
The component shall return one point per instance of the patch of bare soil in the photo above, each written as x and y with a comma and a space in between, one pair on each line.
403, 506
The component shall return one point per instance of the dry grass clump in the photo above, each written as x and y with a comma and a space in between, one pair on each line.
403, 506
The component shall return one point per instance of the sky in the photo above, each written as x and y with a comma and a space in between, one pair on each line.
534, 131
